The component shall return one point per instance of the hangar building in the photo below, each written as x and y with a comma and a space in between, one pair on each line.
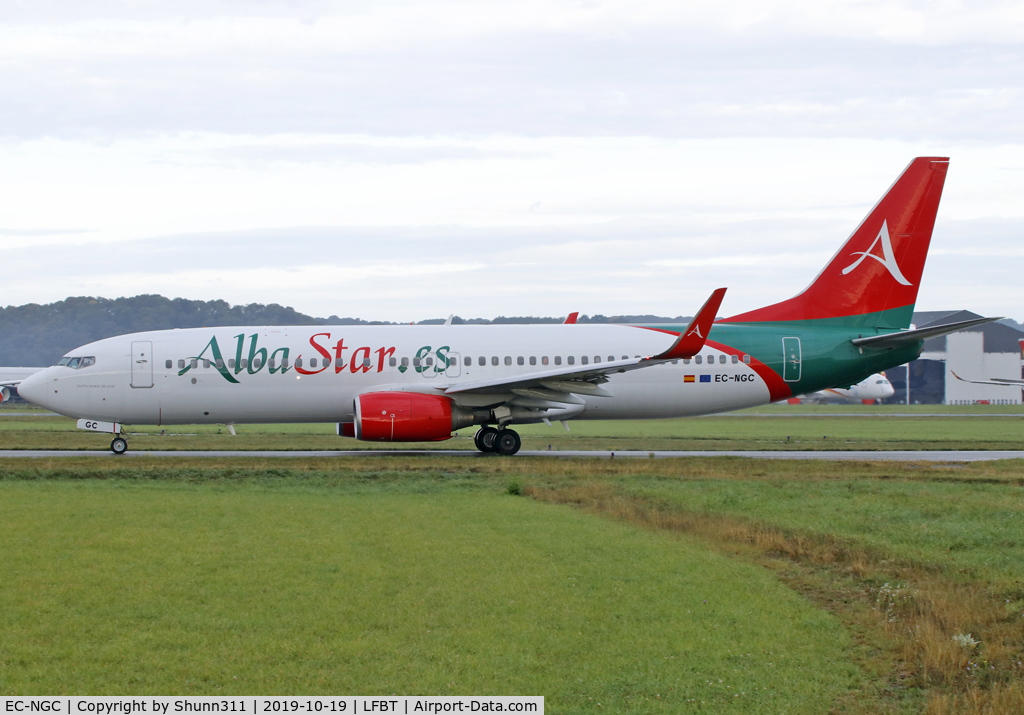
979, 353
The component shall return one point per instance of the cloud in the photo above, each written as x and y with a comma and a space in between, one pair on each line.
408, 160
531, 68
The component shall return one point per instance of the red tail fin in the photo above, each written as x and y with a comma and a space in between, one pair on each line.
879, 267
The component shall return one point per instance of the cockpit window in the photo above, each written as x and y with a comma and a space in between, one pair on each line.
76, 363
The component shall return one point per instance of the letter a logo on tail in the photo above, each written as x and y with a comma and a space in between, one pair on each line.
888, 259
696, 329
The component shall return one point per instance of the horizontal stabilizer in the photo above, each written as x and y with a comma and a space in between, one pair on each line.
892, 340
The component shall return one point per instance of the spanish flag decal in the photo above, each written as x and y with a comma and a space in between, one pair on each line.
689, 378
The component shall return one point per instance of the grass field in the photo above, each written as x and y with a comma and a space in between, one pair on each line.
711, 585
775, 427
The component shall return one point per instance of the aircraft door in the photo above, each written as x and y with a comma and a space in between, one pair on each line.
791, 359
454, 368
142, 364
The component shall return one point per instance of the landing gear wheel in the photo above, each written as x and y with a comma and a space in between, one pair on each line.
507, 442
484, 439
119, 445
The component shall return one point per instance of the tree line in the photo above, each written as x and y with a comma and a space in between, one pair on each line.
35, 335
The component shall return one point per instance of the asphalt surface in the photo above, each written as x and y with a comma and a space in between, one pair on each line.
858, 455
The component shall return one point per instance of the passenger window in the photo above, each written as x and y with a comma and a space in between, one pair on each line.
339, 363
520, 360
675, 362
746, 359
298, 362
245, 363
611, 358
723, 359
392, 362
558, 359
494, 359
430, 361
284, 363
220, 363
257, 364
168, 364
193, 363
405, 362
206, 364
597, 359
415, 362
533, 359
583, 360
181, 364
686, 361
508, 360
735, 359
544, 360
366, 362
468, 362
271, 363
625, 357
571, 360
312, 362
698, 359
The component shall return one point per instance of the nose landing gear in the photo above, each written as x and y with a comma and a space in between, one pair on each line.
119, 445
505, 442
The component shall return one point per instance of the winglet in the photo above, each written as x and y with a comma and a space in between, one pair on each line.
692, 339
571, 318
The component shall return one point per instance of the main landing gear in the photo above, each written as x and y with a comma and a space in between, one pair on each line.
504, 441
119, 445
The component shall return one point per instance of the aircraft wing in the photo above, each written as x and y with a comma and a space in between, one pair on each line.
585, 380
999, 381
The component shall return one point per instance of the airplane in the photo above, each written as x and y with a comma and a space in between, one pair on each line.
997, 381
868, 391
11, 376
423, 382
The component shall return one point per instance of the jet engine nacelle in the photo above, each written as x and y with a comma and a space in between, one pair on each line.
406, 417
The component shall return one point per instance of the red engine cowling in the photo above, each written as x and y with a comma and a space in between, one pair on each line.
403, 417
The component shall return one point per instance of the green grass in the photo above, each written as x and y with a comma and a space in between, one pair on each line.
775, 427
969, 530
421, 577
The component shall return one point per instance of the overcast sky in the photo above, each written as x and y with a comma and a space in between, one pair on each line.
407, 160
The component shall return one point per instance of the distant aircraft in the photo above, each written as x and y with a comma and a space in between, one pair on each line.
998, 381
11, 376
868, 391
421, 383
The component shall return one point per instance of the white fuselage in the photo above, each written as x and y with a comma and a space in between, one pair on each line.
172, 377
875, 387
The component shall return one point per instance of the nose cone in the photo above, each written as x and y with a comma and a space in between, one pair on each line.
33, 388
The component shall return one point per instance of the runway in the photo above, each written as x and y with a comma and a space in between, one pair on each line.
824, 455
